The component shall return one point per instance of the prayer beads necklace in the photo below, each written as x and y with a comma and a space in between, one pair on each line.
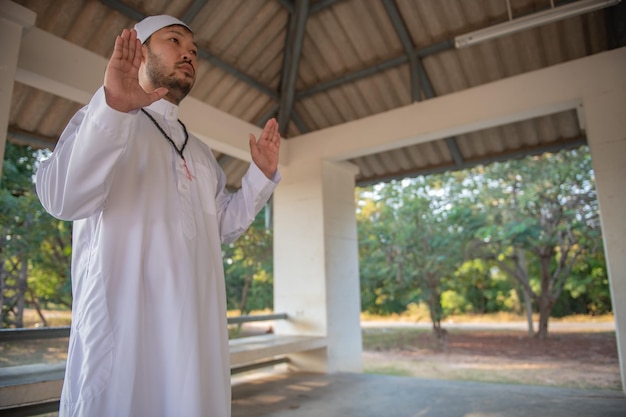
178, 151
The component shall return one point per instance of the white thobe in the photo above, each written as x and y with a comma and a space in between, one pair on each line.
149, 335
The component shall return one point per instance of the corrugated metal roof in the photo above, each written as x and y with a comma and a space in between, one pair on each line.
352, 63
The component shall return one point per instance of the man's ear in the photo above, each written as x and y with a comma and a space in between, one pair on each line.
144, 53
142, 76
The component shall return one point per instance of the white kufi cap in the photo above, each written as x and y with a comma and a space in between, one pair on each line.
151, 24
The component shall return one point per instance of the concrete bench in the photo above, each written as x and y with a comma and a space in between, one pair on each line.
247, 351
30, 384
40, 384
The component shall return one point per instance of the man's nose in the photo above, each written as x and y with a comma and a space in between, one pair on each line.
188, 56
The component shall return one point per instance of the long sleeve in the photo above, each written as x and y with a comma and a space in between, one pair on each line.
237, 211
74, 182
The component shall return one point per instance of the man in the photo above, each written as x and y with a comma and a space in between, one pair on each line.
150, 211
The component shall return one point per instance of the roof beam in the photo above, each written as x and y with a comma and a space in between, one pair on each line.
124, 9
376, 68
297, 120
21, 137
293, 50
321, 5
455, 152
193, 10
616, 30
485, 160
54, 65
451, 141
271, 111
407, 44
315, 7
202, 53
417, 72
537, 93
286, 4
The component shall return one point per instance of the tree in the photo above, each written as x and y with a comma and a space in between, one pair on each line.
543, 218
422, 226
248, 266
382, 289
533, 220
587, 290
29, 237
484, 288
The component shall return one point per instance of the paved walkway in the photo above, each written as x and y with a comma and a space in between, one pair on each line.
366, 395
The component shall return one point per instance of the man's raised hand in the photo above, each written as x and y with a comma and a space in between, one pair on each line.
121, 78
265, 150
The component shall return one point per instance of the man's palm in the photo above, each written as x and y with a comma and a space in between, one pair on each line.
121, 79
265, 150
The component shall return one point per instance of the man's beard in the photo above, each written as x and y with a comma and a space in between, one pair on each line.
160, 77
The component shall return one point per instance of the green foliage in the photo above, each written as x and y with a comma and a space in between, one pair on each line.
49, 276
543, 214
248, 266
485, 287
587, 291
472, 241
380, 289
455, 242
412, 240
453, 302
35, 248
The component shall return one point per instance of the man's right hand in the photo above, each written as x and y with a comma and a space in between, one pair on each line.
121, 78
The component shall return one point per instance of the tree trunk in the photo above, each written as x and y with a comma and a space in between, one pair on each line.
545, 298
439, 331
545, 308
2, 286
33, 300
22, 286
434, 307
528, 308
243, 304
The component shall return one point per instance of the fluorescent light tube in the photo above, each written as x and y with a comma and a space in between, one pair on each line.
516, 25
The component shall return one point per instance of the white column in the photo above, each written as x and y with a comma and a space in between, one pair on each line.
13, 20
606, 134
316, 272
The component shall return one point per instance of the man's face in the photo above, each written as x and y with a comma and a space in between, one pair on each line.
171, 60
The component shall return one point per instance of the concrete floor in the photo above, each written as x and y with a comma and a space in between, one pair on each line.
366, 395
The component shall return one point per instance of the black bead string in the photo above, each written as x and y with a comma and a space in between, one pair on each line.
178, 151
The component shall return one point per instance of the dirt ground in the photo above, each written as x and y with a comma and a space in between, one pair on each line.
567, 359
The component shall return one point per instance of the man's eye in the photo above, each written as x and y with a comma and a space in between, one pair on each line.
195, 53
174, 40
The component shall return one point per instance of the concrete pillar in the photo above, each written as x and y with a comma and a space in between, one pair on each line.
13, 20
316, 267
606, 135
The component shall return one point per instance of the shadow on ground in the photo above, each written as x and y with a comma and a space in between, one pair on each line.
364, 395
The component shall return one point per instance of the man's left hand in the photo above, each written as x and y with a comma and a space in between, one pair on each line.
264, 151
